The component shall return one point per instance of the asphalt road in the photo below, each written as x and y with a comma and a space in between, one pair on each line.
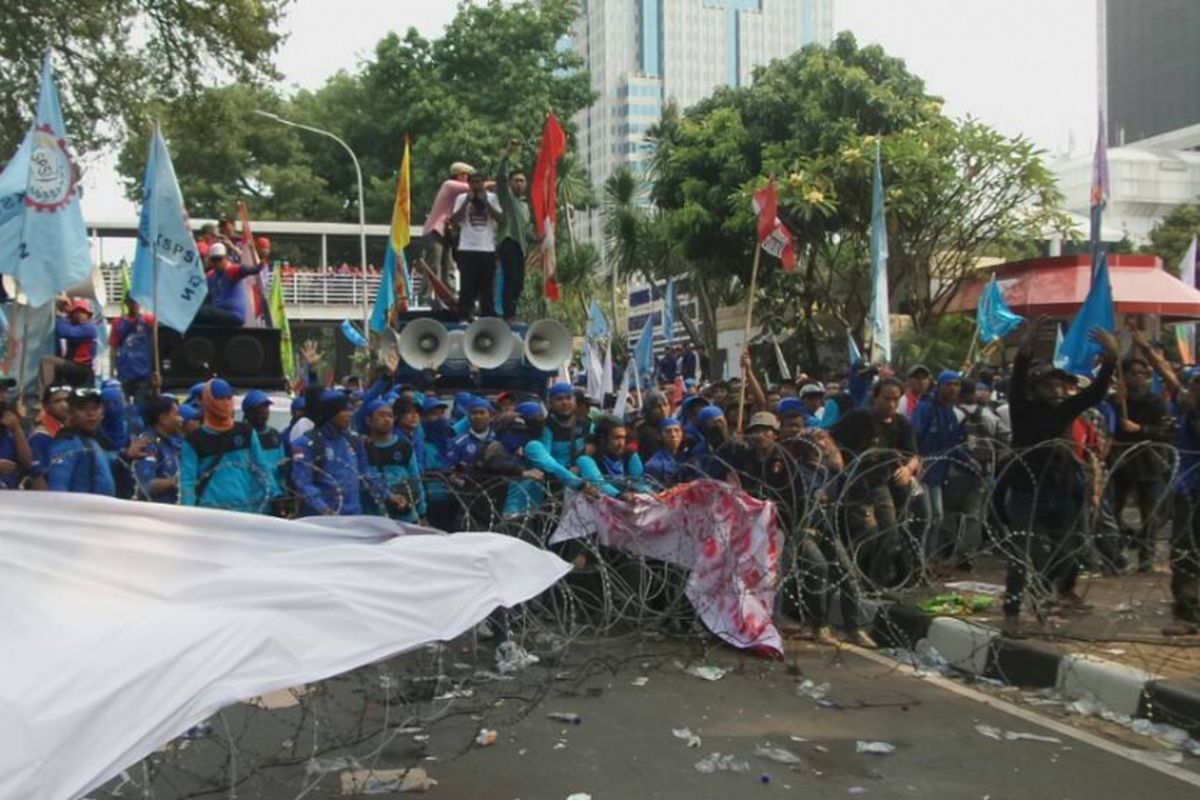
624, 747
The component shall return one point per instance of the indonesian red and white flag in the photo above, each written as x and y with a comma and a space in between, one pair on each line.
544, 198
773, 235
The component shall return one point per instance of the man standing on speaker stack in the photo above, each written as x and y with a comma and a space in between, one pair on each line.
478, 215
437, 223
511, 186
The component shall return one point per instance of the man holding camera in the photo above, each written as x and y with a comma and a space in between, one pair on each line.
477, 214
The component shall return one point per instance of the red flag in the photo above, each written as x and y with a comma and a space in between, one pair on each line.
767, 203
773, 235
544, 198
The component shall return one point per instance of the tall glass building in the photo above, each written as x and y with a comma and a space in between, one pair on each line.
644, 53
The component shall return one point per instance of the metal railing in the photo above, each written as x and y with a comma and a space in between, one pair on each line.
300, 288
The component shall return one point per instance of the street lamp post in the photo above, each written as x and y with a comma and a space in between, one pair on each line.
362, 212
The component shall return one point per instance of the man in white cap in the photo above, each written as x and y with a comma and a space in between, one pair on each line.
437, 223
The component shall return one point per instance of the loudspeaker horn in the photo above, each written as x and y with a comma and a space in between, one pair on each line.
487, 342
424, 344
547, 345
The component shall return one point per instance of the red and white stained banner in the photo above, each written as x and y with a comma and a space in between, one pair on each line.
730, 542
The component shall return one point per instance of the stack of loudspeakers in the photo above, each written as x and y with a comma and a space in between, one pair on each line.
247, 357
486, 354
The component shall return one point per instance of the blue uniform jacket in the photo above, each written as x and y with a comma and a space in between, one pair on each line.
613, 475
162, 460
232, 466
80, 464
327, 468
939, 434
565, 440
394, 469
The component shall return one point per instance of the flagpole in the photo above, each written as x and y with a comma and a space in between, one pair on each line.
746, 333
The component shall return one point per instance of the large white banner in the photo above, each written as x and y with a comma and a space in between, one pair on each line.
123, 624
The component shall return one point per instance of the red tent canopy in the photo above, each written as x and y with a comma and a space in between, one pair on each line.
1058, 286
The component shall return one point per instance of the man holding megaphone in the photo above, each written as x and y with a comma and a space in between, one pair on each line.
477, 214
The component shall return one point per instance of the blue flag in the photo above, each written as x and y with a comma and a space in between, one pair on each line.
353, 334
880, 315
168, 276
996, 319
856, 356
597, 327
385, 298
43, 240
643, 354
1077, 349
668, 318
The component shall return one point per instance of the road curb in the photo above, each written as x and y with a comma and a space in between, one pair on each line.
980, 650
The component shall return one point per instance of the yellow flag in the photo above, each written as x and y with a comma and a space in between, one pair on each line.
402, 213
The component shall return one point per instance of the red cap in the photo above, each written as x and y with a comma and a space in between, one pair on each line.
262, 243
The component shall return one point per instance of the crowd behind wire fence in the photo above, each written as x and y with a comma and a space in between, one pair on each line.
881, 486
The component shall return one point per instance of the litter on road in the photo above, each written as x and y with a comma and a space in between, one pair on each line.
721, 763
686, 735
706, 672
779, 755
875, 748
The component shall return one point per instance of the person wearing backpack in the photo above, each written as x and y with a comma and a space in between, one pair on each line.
223, 464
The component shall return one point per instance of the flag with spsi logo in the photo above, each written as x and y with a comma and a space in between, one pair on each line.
43, 239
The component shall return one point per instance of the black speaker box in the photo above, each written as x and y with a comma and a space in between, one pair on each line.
249, 358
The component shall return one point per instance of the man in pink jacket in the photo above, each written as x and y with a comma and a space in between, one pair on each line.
438, 227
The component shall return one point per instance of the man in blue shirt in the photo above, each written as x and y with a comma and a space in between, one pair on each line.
395, 486
666, 467
16, 457
940, 440
78, 462
612, 469
256, 410
157, 474
329, 462
132, 341
565, 436
467, 448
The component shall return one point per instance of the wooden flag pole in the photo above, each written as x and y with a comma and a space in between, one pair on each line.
746, 332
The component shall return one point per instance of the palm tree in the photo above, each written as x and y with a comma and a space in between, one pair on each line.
624, 224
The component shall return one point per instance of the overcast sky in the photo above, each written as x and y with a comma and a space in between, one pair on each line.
1024, 66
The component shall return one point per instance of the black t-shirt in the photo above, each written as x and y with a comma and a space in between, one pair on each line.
882, 445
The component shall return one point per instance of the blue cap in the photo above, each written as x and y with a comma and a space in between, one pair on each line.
433, 402
791, 405
255, 399
370, 408
949, 375
689, 402
190, 413
478, 403
531, 408
670, 422
690, 383
298, 403
463, 399
220, 389
112, 395
559, 389
709, 413
195, 392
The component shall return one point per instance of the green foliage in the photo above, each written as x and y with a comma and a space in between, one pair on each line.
944, 343
1171, 237
956, 190
110, 56
493, 76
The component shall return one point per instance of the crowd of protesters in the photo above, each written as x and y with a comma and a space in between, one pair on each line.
880, 481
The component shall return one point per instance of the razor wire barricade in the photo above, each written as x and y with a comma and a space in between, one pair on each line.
848, 534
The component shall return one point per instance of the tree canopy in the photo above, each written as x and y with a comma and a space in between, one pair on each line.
494, 75
1171, 237
110, 56
956, 190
